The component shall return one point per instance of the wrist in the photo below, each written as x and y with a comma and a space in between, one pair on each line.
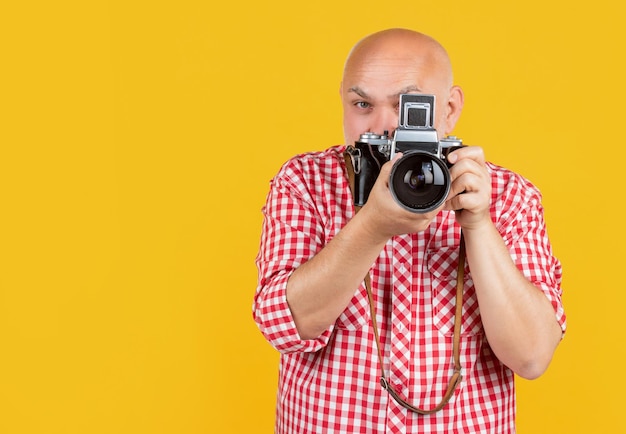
479, 229
372, 226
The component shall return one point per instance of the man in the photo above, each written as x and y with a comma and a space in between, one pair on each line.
312, 304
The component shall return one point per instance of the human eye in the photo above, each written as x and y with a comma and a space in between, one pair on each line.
363, 105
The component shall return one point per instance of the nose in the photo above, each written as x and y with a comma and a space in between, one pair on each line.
385, 119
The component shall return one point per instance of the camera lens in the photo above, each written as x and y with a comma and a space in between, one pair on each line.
419, 182
418, 179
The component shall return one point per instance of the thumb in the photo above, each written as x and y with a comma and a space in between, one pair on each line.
385, 171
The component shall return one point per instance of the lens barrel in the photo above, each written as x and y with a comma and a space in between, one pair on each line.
419, 181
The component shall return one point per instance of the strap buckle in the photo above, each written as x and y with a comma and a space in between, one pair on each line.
384, 383
355, 156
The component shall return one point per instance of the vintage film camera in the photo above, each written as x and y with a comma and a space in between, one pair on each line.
420, 180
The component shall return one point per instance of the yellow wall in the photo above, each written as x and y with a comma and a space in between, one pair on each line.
136, 144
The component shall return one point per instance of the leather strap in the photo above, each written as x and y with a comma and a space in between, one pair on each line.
456, 378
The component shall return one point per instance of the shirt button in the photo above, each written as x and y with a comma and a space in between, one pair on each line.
400, 327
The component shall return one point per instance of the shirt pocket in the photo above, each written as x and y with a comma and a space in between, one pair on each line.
357, 314
442, 267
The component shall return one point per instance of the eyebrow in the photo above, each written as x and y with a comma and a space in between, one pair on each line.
360, 92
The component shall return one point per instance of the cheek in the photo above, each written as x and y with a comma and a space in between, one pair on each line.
441, 124
353, 127
441, 115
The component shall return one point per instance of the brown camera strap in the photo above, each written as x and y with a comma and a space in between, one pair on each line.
456, 376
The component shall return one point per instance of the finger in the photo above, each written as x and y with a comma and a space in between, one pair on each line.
475, 153
466, 165
385, 171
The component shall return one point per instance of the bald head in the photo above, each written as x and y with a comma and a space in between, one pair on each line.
386, 64
398, 44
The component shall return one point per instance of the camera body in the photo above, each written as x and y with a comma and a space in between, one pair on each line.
419, 180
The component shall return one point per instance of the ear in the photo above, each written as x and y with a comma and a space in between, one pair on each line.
454, 108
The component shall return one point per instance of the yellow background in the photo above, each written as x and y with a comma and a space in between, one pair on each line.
137, 140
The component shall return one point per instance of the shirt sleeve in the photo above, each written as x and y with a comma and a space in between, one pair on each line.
522, 225
292, 233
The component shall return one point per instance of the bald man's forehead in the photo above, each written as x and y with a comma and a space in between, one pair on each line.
365, 94
390, 75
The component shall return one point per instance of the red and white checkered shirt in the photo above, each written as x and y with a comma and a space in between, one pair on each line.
331, 384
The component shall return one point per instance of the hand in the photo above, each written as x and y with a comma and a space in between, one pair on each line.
385, 218
470, 191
